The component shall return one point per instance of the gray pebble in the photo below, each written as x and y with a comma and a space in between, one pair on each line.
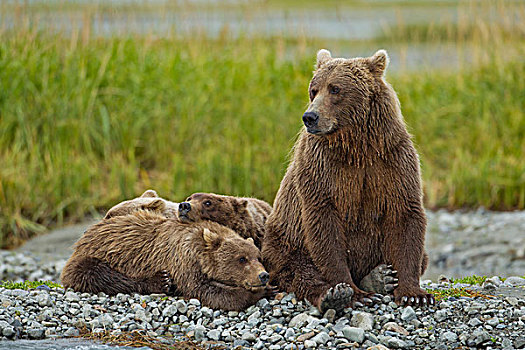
310, 344
362, 320
408, 314
354, 334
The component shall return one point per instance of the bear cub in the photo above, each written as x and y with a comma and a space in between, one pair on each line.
135, 253
246, 216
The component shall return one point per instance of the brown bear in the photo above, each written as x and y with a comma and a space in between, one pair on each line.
132, 253
149, 200
351, 198
246, 216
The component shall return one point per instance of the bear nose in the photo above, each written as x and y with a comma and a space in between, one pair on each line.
310, 119
184, 208
264, 277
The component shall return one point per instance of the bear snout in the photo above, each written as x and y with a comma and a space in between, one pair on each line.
310, 119
184, 208
264, 277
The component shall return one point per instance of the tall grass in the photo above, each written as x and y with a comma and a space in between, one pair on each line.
86, 122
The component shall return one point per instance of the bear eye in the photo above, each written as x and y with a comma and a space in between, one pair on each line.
334, 90
188, 199
207, 203
243, 260
313, 93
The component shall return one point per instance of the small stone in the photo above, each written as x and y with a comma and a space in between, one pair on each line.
362, 320
408, 314
195, 302
289, 334
240, 343
440, 315
71, 332
249, 337
214, 334
474, 322
181, 306
36, 333
449, 337
396, 343
305, 336
321, 338
43, 299
71, 296
199, 333
378, 347
478, 338
300, 320
493, 322
519, 343
354, 334
495, 280
105, 320
8, 332
515, 281
330, 315
170, 311
310, 344
394, 327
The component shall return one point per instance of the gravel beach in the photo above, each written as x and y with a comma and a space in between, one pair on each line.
491, 317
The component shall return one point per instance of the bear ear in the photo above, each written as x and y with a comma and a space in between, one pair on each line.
240, 205
149, 194
323, 56
378, 63
249, 239
156, 204
210, 237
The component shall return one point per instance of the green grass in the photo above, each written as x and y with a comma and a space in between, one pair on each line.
87, 122
28, 284
472, 280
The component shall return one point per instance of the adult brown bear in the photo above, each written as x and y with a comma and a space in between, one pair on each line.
351, 198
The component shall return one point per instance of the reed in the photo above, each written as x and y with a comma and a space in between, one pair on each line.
87, 121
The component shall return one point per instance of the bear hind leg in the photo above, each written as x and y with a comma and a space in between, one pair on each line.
92, 275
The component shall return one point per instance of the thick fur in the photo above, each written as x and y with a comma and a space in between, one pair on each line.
206, 260
351, 198
149, 200
246, 216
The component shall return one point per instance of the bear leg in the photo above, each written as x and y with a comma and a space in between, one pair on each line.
92, 275
382, 280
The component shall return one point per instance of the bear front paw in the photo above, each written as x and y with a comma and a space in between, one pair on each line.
160, 283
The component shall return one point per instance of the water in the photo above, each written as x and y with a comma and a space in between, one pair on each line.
324, 23
60, 344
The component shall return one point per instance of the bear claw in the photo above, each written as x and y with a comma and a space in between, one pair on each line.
337, 298
419, 300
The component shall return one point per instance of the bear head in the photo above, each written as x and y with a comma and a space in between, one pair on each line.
342, 91
149, 200
213, 207
230, 260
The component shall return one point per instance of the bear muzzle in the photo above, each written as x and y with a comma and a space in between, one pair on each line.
184, 209
310, 120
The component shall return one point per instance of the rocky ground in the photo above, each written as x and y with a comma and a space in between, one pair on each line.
282, 323
490, 316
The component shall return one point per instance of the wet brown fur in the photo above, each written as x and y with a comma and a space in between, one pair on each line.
203, 259
246, 216
351, 198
